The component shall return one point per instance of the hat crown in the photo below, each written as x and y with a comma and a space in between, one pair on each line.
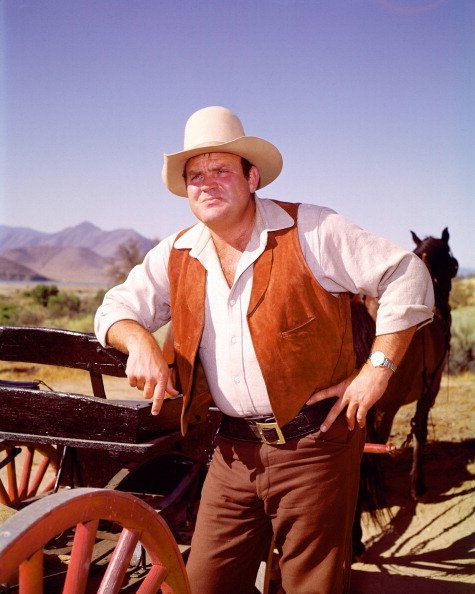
212, 126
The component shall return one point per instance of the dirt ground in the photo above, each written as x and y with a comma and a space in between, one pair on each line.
432, 538
420, 547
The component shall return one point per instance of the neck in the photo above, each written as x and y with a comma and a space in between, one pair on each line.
235, 236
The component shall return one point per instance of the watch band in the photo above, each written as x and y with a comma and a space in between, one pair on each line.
379, 359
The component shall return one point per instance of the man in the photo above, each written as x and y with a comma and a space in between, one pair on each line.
258, 294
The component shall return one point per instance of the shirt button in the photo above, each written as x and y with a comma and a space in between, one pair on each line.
232, 302
237, 380
234, 339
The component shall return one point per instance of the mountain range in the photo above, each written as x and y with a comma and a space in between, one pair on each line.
76, 254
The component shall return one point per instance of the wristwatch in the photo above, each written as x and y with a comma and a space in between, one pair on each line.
379, 359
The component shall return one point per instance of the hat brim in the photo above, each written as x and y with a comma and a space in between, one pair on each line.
259, 152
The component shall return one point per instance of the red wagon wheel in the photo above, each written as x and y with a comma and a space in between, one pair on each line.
24, 537
27, 474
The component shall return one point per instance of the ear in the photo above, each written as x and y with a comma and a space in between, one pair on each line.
445, 235
254, 179
417, 241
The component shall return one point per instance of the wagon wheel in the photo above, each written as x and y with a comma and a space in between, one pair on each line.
23, 539
26, 475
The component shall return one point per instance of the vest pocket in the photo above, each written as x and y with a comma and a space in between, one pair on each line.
301, 329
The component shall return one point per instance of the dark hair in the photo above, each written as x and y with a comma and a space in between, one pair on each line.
246, 167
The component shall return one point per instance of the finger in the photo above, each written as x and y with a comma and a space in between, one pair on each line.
331, 416
361, 416
323, 395
171, 389
133, 381
148, 388
351, 414
158, 397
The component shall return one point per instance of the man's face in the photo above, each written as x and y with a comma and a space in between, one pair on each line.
218, 192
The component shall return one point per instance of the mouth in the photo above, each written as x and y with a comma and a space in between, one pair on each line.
210, 199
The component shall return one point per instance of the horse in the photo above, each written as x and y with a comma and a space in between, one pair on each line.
419, 374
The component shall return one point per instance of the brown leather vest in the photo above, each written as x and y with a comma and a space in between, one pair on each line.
301, 333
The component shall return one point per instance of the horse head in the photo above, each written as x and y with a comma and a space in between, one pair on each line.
442, 265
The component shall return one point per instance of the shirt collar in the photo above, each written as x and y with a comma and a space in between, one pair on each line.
269, 217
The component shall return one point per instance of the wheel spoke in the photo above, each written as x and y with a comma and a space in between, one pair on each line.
11, 476
31, 574
26, 473
38, 477
119, 562
80, 561
4, 497
154, 580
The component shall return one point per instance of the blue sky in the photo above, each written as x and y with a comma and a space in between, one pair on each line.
371, 103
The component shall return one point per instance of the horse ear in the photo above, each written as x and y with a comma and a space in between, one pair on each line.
445, 235
417, 241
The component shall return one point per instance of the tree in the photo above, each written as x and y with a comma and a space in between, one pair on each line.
128, 255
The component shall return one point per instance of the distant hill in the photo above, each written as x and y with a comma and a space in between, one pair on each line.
85, 235
75, 254
13, 271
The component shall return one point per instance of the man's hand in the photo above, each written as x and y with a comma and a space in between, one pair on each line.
147, 369
364, 388
358, 393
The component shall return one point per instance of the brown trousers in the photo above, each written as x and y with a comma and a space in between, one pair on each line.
304, 492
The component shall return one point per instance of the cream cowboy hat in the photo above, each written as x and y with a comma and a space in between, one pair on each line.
219, 130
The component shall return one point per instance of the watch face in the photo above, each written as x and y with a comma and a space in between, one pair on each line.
377, 358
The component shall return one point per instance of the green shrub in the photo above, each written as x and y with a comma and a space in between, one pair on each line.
462, 344
63, 304
463, 292
42, 293
9, 314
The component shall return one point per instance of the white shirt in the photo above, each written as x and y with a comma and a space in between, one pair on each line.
342, 257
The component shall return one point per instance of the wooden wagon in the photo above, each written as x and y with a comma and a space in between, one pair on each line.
125, 465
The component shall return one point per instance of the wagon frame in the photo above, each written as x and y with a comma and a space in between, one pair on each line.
93, 443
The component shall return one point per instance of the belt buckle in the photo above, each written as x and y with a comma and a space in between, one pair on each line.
270, 425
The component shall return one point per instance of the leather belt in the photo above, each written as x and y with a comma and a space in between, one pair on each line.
266, 429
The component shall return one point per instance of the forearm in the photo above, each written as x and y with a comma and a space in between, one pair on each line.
146, 369
371, 382
126, 335
395, 344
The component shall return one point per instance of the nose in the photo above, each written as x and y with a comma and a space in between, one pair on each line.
208, 180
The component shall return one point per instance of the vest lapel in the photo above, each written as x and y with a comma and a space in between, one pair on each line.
195, 285
261, 278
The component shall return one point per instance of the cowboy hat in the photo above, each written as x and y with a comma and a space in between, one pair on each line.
219, 130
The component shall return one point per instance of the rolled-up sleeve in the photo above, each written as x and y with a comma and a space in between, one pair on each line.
345, 257
144, 296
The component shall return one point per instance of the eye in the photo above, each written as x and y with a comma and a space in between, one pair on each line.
195, 177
